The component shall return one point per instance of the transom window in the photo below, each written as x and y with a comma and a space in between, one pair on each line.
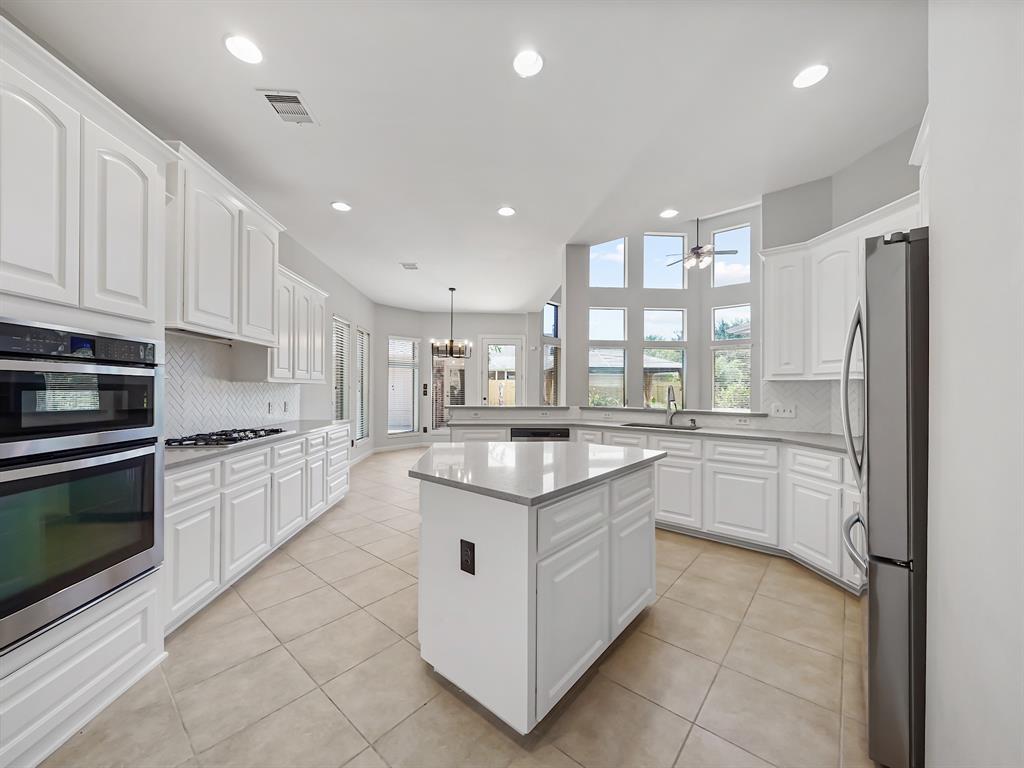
659, 252
732, 269
608, 264
549, 326
607, 324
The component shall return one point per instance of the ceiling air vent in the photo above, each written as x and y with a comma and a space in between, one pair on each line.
409, 265
289, 106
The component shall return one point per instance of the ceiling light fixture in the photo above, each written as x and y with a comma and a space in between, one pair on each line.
338, 205
506, 211
527, 63
669, 213
451, 347
812, 75
243, 49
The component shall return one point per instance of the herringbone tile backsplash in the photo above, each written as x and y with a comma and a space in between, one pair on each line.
201, 397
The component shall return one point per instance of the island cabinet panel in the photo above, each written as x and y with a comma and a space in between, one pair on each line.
565, 521
573, 626
632, 563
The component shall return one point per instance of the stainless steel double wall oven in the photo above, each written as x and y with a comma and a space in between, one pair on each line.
80, 470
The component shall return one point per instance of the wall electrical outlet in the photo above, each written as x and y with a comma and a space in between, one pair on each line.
743, 421
607, 415
783, 411
543, 413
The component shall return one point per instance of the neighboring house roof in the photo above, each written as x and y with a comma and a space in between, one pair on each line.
605, 360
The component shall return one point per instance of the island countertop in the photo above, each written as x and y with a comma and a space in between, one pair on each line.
528, 473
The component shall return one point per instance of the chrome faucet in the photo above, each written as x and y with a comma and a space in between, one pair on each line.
670, 406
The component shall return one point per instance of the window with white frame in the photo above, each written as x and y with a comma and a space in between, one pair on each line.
663, 261
608, 264
552, 364
730, 358
362, 384
403, 376
732, 269
606, 377
449, 384
607, 324
340, 348
549, 326
664, 357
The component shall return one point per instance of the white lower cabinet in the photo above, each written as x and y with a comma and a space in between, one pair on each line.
632, 561
679, 492
852, 505
192, 555
289, 500
810, 521
742, 501
573, 608
245, 528
316, 485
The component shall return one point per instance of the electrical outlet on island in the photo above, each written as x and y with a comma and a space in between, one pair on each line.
783, 411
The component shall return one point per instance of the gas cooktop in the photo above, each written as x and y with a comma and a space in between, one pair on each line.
223, 437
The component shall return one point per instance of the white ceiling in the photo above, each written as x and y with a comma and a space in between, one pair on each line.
426, 130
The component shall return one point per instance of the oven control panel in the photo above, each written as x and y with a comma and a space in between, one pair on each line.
32, 341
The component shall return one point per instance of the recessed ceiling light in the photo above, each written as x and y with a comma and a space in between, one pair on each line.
506, 211
669, 213
811, 76
527, 63
338, 205
244, 49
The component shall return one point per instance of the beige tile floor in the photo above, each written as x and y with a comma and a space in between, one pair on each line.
312, 660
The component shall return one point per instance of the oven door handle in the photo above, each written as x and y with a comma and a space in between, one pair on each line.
24, 473
53, 366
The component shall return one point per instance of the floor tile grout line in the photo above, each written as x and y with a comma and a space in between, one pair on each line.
177, 710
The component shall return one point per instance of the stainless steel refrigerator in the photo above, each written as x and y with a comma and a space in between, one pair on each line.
892, 470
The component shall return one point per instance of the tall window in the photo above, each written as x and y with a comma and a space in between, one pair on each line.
362, 399
659, 252
403, 374
449, 376
608, 264
664, 368
730, 353
607, 377
552, 366
732, 269
340, 337
550, 325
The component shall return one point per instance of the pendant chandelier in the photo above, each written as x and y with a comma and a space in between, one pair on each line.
451, 347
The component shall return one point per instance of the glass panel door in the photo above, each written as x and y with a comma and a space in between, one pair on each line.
503, 372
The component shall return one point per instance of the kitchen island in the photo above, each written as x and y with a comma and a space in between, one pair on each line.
534, 557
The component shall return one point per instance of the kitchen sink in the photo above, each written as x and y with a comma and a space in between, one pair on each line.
684, 427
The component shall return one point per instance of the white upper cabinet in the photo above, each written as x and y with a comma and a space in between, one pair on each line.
259, 279
122, 244
40, 179
281, 356
303, 326
811, 289
222, 256
318, 338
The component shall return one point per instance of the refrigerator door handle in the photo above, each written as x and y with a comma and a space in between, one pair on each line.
857, 323
858, 559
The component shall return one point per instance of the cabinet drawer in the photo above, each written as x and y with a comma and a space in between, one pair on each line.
191, 484
677, 447
631, 491
337, 460
565, 521
588, 436
245, 466
338, 436
337, 487
471, 434
317, 442
628, 439
737, 452
825, 466
284, 453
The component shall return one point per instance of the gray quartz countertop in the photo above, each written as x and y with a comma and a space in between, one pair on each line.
824, 440
528, 473
175, 458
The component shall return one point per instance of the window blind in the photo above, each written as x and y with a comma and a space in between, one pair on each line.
730, 385
362, 415
403, 370
340, 337
552, 373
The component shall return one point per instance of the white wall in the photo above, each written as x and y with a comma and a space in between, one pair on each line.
975, 676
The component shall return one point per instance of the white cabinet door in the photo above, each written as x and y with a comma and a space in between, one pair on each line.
573, 615
742, 502
852, 505
833, 267
632, 565
632, 439
301, 332
316, 485
810, 521
191, 556
122, 227
317, 338
784, 330
245, 526
679, 492
211, 254
40, 182
281, 356
289, 500
258, 303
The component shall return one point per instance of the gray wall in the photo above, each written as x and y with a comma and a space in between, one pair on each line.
799, 213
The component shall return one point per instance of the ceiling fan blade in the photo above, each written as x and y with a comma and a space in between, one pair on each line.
673, 263
724, 253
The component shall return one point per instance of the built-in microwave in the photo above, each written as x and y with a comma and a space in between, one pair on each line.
80, 470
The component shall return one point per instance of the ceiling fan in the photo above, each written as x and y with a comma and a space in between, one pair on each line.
699, 255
